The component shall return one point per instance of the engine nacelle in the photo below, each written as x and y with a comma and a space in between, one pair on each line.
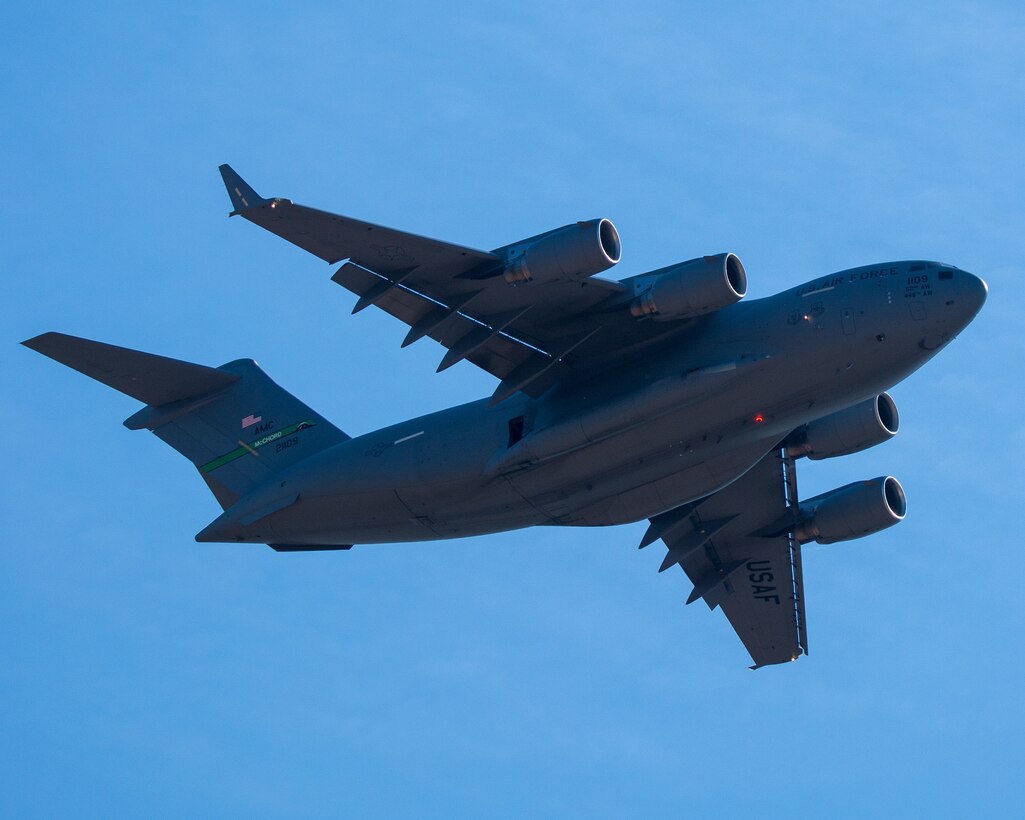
858, 509
574, 251
847, 431
690, 288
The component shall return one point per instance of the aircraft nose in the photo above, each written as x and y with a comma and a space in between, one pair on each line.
973, 291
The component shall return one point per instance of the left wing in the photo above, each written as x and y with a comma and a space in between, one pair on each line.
523, 334
334, 238
731, 548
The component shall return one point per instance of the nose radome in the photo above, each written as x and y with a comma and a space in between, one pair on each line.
973, 290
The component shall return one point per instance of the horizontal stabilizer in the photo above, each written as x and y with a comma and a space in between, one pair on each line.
153, 380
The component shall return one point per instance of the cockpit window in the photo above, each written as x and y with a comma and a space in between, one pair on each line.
946, 273
917, 266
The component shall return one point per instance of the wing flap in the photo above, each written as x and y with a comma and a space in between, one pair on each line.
755, 580
499, 354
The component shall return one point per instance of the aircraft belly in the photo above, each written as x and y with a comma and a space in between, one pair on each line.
674, 458
647, 486
468, 506
639, 473
418, 481
353, 517
669, 491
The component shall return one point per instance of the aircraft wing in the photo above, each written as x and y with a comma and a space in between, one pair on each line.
731, 548
456, 295
334, 238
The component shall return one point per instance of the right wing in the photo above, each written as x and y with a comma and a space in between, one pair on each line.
730, 546
525, 335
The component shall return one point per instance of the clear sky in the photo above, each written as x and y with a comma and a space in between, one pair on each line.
545, 672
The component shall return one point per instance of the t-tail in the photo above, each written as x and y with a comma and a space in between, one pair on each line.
233, 422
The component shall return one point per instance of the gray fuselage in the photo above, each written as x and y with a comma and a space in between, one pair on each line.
671, 421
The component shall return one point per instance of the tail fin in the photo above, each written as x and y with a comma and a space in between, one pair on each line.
235, 424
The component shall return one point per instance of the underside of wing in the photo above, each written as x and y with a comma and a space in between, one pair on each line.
523, 331
756, 578
494, 327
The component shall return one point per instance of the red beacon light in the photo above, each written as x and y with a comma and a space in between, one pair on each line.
759, 418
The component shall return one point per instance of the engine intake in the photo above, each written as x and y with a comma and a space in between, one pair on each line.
847, 431
574, 251
690, 288
856, 510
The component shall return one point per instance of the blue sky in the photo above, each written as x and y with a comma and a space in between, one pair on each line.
547, 672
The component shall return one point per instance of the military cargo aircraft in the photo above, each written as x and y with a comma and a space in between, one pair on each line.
664, 396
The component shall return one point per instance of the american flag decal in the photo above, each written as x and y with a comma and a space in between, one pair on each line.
250, 420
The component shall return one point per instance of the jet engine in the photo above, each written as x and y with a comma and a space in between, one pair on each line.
858, 509
847, 431
690, 288
574, 251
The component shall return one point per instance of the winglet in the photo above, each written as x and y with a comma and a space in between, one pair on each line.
242, 196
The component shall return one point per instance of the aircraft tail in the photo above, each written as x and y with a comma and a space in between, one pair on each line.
233, 422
